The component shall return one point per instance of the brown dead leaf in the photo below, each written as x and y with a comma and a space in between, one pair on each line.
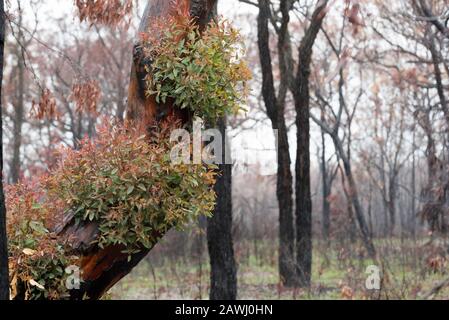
347, 292
29, 252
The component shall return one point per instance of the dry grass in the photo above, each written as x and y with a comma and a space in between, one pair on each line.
411, 269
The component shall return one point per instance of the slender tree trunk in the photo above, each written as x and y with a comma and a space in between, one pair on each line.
439, 83
223, 276
432, 199
18, 115
352, 227
4, 273
302, 183
284, 193
413, 188
384, 193
301, 96
325, 191
275, 111
370, 213
392, 204
354, 196
198, 253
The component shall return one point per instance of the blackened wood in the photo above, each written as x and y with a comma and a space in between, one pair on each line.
4, 274
223, 277
301, 96
275, 111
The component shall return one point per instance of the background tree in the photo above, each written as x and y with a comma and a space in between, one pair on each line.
332, 125
275, 108
223, 275
301, 95
297, 84
4, 273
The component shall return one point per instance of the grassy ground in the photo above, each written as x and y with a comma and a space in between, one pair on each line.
410, 269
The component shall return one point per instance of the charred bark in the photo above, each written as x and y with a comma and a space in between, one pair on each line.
4, 273
275, 111
301, 96
223, 277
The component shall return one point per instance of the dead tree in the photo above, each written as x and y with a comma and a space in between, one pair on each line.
223, 276
301, 96
275, 108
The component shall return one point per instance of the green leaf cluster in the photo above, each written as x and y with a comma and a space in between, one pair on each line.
199, 70
128, 184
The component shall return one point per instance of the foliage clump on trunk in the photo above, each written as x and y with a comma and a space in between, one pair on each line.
124, 181
201, 70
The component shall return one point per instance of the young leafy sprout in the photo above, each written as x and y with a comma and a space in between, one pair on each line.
201, 70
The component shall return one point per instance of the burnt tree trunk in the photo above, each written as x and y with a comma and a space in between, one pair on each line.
4, 274
301, 96
223, 276
284, 194
354, 197
275, 110
352, 191
326, 192
18, 112
302, 184
102, 268
392, 202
